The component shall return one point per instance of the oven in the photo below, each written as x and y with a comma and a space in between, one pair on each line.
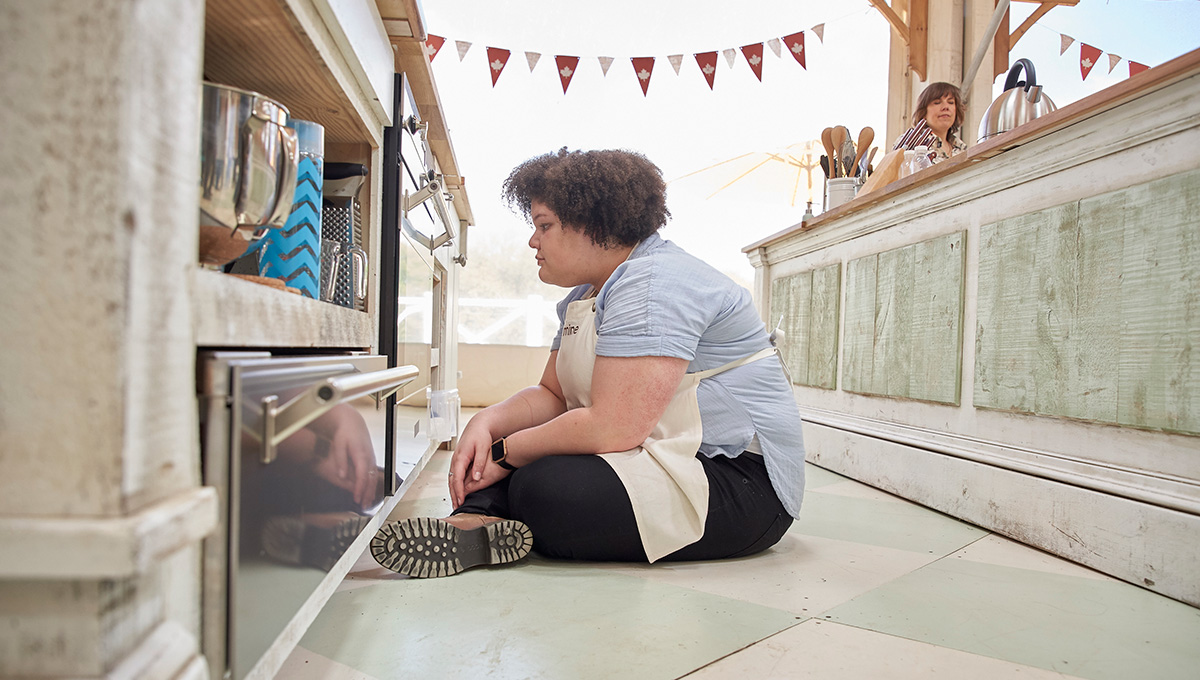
298, 449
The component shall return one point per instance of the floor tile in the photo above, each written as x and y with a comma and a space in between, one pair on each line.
534, 620
996, 549
889, 524
804, 575
1101, 630
852, 489
818, 477
830, 651
304, 664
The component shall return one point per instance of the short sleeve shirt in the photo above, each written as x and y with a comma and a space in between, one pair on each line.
664, 302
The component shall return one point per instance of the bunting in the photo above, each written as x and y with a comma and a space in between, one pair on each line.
605, 62
432, 44
462, 46
819, 29
707, 62
1136, 68
730, 55
1088, 56
1065, 42
676, 60
566, 69
773, 43
795, 45
497, 58
754, 56
1113, 60
643, 67
532, 58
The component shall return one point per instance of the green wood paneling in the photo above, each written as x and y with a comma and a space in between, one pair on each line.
858, 355
808, 304
903, 334
1091, 309
823, 339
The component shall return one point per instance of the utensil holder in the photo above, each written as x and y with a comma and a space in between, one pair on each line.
292, 253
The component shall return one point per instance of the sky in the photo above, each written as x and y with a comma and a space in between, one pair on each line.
683, 126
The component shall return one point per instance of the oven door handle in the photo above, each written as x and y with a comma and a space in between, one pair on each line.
282, 421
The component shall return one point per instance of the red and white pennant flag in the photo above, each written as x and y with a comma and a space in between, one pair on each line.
707, 61
1088, 56
795, 45
754, 57
432, 44
566, 69
497, 58
643, 67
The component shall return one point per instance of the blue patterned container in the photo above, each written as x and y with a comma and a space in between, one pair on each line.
293, 253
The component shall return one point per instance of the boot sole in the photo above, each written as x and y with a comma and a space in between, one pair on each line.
423, 547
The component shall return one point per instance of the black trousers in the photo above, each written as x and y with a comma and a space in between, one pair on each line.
577, 508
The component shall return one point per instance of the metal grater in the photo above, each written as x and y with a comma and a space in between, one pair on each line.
339, 222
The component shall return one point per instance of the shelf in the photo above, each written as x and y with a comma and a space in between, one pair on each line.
230, 312
299, 53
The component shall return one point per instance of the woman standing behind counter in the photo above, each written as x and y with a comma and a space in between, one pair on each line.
941, 110
663, 427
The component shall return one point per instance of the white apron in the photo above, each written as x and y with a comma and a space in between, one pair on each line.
665, 482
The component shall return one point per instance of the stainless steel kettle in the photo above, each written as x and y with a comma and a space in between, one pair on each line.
1021, 102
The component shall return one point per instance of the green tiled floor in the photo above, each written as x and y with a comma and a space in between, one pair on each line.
865, 585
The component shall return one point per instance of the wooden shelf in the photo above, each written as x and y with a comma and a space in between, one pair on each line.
230, 312
286, 51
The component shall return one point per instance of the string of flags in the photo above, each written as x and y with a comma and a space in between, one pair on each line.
643, 67
1089, 56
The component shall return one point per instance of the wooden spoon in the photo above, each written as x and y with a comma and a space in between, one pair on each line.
865, 137
827, 140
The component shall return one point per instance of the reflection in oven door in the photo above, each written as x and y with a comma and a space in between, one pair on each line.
303, 472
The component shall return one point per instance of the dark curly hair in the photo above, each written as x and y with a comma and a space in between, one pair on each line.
615, 197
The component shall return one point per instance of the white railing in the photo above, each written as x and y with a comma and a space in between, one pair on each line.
496, 316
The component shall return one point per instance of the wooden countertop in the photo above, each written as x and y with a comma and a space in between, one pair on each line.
1148, 81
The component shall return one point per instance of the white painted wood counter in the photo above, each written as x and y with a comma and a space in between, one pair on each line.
1012, 337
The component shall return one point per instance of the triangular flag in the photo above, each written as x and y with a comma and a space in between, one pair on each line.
566, 69
432, 44
795, 45
532, 58
754, 56
676, 60
497, 58
1136, 68
729, 54
605, 62
819, 29
462, 48
707, 62
1065, 43
1088, 56
773, 43
1113, 60
643, 67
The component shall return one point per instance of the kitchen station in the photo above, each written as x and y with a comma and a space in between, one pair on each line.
211, 400
206, 300
1009, 335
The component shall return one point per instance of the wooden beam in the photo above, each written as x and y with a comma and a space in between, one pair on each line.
894, 19
1000, 47
918, 36
1029, 22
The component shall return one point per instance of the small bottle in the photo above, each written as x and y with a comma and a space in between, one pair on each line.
921, 159
906, 168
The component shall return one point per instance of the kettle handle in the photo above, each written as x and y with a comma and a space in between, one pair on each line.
1011, 81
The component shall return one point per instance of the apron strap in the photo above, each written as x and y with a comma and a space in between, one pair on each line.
761, 354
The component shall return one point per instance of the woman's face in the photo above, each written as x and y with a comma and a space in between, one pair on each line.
566, 257
940, 115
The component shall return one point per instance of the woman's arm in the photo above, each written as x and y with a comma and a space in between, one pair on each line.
629, 396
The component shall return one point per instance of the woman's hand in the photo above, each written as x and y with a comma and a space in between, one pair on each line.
472, 457
350, 463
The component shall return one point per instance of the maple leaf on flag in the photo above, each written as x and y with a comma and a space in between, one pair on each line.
643, 74
755, 60
797, 48
1087, 63
708, 69
497, 65
566, 72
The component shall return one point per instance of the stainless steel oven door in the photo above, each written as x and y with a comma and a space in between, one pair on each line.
297, 448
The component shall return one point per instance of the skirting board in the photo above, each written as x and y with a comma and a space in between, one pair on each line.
1145, 544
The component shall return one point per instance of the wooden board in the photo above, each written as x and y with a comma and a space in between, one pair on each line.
1091, 309
808, 305
903, 334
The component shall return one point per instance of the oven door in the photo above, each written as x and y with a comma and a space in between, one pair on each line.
297, 448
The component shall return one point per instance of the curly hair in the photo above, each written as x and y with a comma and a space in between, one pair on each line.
615, 197
934, 92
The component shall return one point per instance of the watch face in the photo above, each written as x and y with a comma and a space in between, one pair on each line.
497, 450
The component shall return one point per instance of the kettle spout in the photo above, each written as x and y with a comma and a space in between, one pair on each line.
1033, 94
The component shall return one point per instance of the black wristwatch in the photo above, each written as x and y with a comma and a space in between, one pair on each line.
500, 454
